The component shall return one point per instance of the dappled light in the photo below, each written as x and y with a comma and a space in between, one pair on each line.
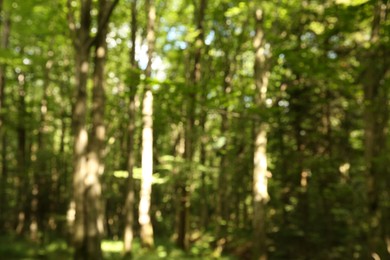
224, 129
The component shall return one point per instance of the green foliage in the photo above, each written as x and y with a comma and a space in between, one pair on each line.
318, 55
17, 248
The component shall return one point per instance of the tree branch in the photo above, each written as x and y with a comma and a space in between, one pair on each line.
103, 22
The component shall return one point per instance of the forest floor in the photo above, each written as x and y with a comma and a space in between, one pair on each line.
13, 248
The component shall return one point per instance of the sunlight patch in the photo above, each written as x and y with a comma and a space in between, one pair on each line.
112, 246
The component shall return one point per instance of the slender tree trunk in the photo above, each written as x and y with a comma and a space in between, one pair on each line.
22, 178
40, 182
260, 178
223, 177
375, 131
60, 199
204, 211
129, 203
147, 138
47, 205
5, 31
4, 181
204, 138
147, 172
195, 80
62, 163
178, 152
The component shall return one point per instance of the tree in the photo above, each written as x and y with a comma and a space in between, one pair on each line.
260, 171
238, 89
88, 226
189, 135
376, 117
147, 137
5, 25
129, 204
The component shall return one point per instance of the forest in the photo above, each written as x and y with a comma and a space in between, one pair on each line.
194, 129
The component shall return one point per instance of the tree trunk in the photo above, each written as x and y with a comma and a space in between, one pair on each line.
22, 177
147, 138
147, 172
87, 165
94, 213
5, 31
178, 152
39, 202
260, 178
195, 80
223, 176
129, 203
204, 210
80, 151
375, 124
82, 55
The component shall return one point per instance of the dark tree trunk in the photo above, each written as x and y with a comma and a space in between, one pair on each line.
194, 82
129, 203
5, 25
22, 177
376, 115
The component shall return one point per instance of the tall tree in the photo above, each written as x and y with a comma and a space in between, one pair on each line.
194, 84
260, 176
129, 203
22, 157
376, 116
147, 136
80, 33
5, 25
39, 203
87, 156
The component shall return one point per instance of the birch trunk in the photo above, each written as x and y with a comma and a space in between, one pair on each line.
147, 139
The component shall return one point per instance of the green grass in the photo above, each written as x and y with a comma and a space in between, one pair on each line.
12, 248
163, 250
